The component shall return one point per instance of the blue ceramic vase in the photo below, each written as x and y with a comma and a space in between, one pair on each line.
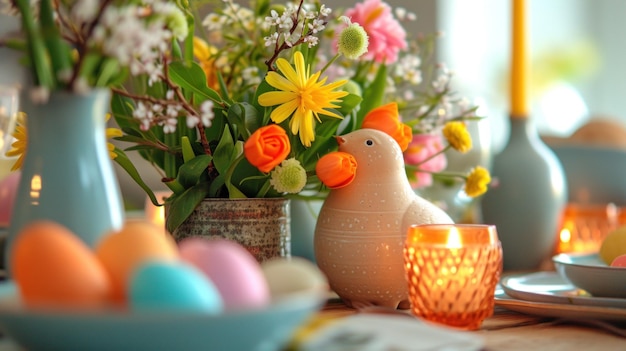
304, 215
527, 198
67, 174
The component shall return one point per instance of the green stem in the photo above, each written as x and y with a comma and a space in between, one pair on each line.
57, 49
188, 43
169, 162
416, 167
330, 62
37, 49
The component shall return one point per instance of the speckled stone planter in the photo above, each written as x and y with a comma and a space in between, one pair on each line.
260, 225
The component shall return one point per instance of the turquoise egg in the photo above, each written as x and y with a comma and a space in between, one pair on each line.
173, 286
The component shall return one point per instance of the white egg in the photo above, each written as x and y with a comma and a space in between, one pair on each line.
290, 275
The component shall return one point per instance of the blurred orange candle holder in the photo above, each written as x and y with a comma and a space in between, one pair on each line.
584, 226
452, 271
156, 214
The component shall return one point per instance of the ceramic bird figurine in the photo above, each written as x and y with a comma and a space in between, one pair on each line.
361, 227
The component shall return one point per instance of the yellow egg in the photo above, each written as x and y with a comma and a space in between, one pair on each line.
123, 251
613, 245
54, 268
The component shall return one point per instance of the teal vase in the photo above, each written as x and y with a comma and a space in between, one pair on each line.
303, 220
526, 199
67, 174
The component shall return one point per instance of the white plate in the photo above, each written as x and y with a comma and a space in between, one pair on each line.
555, 310
550, 287
590, 273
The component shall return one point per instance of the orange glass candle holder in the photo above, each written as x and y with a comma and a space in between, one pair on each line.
452, 271
584, 226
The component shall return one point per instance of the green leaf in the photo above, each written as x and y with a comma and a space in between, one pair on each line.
246, 117
129, 167
188, 153
264, 87
262, 8
192, 78
174, 186
223, 155
349, 103
216, 186
109, 69
373, 94
191, 171
89, 66
182, 206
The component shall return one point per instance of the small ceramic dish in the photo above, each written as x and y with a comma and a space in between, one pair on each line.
259, 330
590, 273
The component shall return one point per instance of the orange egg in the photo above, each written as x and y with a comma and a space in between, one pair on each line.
123, 251
54, 268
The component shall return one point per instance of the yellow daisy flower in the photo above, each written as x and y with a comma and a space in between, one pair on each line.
477, 181
457, 135
110, 134
18, 147
301, 96
205, 54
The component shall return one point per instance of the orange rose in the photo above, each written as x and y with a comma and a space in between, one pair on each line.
336, 169
387, 119
267, 147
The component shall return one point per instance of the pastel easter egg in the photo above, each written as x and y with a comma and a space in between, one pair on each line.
123, 251
163, 285
286, 276
613, 245
53, 268
8, 189
619, 261
233, 270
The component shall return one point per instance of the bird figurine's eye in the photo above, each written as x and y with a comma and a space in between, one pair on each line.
369, 142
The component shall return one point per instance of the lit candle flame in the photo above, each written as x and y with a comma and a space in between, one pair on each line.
565, 235
454, 239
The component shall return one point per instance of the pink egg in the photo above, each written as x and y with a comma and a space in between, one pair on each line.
8, 190
234, 271
619, 261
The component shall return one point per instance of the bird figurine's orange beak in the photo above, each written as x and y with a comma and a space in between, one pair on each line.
340, 140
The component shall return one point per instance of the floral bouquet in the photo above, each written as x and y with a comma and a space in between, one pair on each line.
244, 101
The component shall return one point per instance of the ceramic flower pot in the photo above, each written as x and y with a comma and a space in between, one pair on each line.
67, 175
262, 226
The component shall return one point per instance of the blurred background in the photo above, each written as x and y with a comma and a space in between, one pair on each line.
576, 50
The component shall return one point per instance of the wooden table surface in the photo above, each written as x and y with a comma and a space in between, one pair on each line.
511, 331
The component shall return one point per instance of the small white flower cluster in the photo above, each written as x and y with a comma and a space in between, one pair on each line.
9, 8
296, 24
231, 14
448, 107
165, 113
408, 69
403, 14
138, 36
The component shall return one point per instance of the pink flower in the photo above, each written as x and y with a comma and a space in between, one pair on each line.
422, 147
386, 35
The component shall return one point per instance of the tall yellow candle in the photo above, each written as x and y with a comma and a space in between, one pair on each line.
519, 61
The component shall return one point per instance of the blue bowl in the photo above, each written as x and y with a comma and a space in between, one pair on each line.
595, 175
588, 272
258, 330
